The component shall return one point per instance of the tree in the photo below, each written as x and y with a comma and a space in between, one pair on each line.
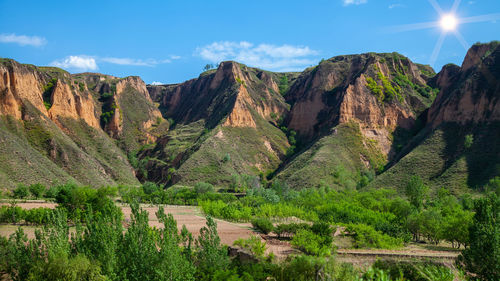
211, 255
416, 191
150, 187
483, 256
208, 66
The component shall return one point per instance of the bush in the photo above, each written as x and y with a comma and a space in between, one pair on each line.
366, 236
289, 229
37, 190
418, 271
203, 187
150, 187
51, 192
263, 225
11, 214
253, 244
312, 243
22, 191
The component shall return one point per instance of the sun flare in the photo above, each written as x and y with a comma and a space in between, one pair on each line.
449, 22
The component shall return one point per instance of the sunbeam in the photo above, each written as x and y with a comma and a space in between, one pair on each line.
437, 48
461, 39
436, 7
414, 26
482, 18
454, 8
448, 22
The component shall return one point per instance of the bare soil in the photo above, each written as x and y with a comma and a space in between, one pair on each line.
194, 220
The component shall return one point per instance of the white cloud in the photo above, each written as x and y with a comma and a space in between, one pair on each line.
156, 83
173, 57
281, 58
80, 63
135, 62
84, 63
23, 40
354, 2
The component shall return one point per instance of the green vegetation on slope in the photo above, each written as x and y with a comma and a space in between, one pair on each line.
448, 157
339, 159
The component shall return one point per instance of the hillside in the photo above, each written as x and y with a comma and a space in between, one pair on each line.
225, 124
459, 146
352, 114
55, 125
348, 121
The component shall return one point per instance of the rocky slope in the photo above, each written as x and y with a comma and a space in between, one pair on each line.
459, 146
52, 127
225, 124
350, 113
336, 124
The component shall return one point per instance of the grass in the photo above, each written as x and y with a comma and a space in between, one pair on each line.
101, 148
334, 160
442, 159
136, 110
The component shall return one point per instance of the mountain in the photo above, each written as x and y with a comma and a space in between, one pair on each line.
351, 121
458, 148
57, 127
225, 124
351, 114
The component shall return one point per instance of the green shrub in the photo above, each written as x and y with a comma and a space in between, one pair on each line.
37, 190
375, 89
253, 244
263, 225
469, 140
283, 85
289, 229
22, 191
51, 192
11, 214
150, 187
203, 187
312, 243
418, 271
366, 236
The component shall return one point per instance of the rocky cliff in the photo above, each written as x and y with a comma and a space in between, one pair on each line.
225, 123
379, 91
54, 124
458, 148
349, 112
342, 123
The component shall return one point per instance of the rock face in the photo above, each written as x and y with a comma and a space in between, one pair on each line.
216, 94
335, 124
59, 119
458, 148
126, 110
225, 120
337, 92
470, 93
19, 83
66, 103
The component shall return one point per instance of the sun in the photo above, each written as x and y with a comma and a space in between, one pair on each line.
448, 22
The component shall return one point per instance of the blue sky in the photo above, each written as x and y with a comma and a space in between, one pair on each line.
170, 41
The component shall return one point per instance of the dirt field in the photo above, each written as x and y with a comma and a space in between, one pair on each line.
194, 220
184, 215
